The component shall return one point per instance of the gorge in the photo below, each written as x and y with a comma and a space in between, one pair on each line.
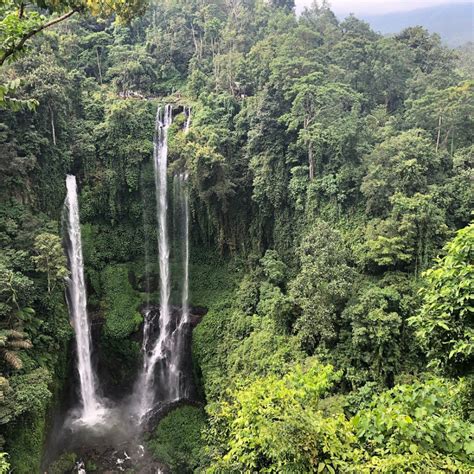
233, 238
162, 380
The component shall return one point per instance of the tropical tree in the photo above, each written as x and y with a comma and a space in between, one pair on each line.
24, 19
50, 258
406, 163
12, 341
326, 117
322, 286
445, 322
275, 425
21, 20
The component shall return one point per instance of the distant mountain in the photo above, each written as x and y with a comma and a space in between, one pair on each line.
453, 22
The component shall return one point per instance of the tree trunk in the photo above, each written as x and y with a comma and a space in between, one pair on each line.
98, 64
196, 45
311, 162
310, 151
53, 130
439, 133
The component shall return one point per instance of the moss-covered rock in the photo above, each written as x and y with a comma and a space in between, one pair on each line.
25, 440
119, 350
121, 301
177, 439
65, 463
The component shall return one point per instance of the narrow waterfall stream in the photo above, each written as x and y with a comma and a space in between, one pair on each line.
183, 177
91, 406
187, 123
185, 204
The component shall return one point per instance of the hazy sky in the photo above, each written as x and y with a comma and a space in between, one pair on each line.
376, 6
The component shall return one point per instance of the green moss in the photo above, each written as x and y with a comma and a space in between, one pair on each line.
25, 440
212, 284
121, 357
177, 439
122, 317
91, 466
65, 463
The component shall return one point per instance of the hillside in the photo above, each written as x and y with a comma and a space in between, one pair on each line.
454, 22
233, 239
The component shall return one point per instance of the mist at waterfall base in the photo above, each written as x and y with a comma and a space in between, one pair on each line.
165, 377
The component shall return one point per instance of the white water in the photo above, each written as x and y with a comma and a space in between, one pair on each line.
185, 297
187, 124
92, 409
160, 161
185, 197
168, 347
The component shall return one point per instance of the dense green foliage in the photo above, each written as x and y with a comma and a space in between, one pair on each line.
286, 425
177, 439
445, 323
330, 176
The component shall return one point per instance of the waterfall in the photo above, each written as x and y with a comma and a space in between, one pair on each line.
165, 356
187, 123
185, 201
146, 395
77, 302
185, 296
160, 161
182, 333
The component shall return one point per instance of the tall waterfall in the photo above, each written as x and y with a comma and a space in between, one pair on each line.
77, 302
160, 162
165, 358
185, 200
146, 394
185, 295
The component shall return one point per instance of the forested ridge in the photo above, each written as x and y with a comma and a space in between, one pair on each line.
330, 180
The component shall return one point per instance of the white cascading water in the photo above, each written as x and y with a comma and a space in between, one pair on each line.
91, 406
169, 344
185, 296
185, 202
146, 336
187, 123
146, 394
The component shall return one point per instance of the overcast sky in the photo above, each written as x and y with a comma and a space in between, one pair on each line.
376, 6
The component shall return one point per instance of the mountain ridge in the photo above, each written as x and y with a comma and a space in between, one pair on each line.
453, 22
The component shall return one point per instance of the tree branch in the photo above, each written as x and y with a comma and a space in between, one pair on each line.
7, 53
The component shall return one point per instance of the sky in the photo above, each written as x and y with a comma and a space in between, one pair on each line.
364, 7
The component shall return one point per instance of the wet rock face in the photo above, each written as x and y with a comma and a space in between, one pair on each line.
196, 315
180, 342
